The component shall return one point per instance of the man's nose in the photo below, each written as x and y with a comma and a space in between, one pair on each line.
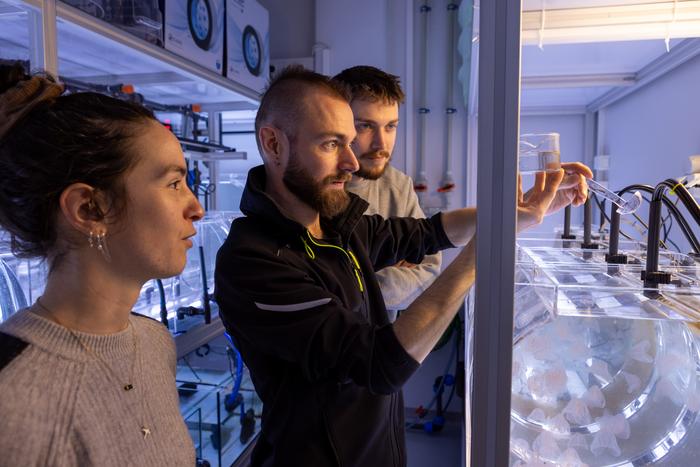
348, 161
379, 140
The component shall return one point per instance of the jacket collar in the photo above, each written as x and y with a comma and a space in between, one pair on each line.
256, 203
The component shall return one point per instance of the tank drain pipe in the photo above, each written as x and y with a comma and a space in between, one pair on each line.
588, 243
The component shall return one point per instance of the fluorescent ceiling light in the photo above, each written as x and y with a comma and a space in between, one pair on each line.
578, 81
663, 20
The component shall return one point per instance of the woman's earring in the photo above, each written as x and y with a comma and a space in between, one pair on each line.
102, 246
99, 240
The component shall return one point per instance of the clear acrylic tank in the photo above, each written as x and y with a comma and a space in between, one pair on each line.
603, 373
184, 293
12, 297
21, 280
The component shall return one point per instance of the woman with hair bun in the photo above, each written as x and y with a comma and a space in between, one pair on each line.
96, 186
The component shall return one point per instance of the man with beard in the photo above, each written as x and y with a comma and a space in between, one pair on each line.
297, 291
376, 97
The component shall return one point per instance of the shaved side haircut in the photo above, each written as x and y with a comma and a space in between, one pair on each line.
372, 84
283, 102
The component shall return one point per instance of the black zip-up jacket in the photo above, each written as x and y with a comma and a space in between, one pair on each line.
310, 322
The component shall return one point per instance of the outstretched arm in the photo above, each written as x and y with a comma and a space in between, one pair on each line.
421, 325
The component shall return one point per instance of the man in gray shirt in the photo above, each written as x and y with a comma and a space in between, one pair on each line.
376, 97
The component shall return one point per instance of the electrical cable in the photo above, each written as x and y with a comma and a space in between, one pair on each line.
675, 245
684, 195
674, 212
670, 226
666, 227
233, 398
607, 218
187, 363
688, 201
651, 275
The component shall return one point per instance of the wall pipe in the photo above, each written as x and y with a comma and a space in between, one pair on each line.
447, 184
420, 184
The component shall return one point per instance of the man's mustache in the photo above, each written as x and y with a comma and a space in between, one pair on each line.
373, 154
341, 177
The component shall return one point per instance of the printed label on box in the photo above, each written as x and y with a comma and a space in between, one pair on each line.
248, 43
194, 29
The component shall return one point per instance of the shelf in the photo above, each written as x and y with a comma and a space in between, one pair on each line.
216, 156
94, 51
198, 335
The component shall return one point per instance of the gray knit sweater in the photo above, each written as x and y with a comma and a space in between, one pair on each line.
392, 195
59, 406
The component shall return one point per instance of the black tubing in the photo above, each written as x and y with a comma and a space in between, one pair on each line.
205, 290
163, 309
682, 222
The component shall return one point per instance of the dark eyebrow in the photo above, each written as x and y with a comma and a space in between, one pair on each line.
367, 120
180, 170
338, 136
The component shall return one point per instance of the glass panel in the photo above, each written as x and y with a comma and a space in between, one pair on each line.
214, 381
183, 294
18, 24
608, 375
11, 296
603, 391
141, 18
610, 378
21, 280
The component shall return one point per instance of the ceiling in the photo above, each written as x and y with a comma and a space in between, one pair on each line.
569, 75
529, 5
578, 74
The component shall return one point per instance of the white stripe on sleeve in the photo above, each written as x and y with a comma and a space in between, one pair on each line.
293, 306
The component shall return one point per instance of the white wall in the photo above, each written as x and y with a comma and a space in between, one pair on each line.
291, 27
362, 33
355, 32
650, 133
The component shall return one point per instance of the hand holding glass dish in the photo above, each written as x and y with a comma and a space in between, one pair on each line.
540, 153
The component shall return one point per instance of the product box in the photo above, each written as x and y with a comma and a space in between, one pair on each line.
142, 18
247, 43
194, 29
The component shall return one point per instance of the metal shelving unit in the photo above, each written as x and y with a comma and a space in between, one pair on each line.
60, 38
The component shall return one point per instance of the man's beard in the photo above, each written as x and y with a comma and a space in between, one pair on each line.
329, 203
372, 173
